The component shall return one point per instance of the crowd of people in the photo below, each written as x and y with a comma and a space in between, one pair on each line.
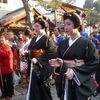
69, 56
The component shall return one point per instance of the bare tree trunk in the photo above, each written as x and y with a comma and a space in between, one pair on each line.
28, 11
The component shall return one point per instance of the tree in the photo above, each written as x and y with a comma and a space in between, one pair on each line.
46, 3
96, 5
88, 4
92, 17
28, 12
93, 11
54, 4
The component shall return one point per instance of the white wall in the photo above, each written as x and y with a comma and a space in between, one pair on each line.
12, 5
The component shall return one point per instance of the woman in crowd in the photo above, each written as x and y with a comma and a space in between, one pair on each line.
76, 63
41, 50
12, 41
24, 58
6, 69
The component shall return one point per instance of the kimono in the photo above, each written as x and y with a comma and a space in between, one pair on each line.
23, 58
83, 84
42, 50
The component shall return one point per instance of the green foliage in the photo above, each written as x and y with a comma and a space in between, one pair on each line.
93, 14
50, 4
97, 6
92, 17
88, 4
92, 4
54, 3
42, 2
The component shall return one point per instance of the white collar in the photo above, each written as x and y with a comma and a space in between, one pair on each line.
38, 38
72, 41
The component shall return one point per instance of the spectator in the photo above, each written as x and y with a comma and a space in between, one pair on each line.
6, 69
57, 37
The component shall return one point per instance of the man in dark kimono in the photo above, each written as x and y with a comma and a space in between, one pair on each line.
41, 50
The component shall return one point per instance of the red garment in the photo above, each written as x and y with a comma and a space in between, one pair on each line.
6, 59
15, 60
38, 53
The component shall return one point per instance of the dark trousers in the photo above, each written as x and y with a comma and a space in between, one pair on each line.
6, 85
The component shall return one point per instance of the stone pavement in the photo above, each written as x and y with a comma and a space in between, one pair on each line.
20, 93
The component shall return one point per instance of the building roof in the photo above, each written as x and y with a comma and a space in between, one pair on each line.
19, 14
12, 17
67, 6
15, 16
